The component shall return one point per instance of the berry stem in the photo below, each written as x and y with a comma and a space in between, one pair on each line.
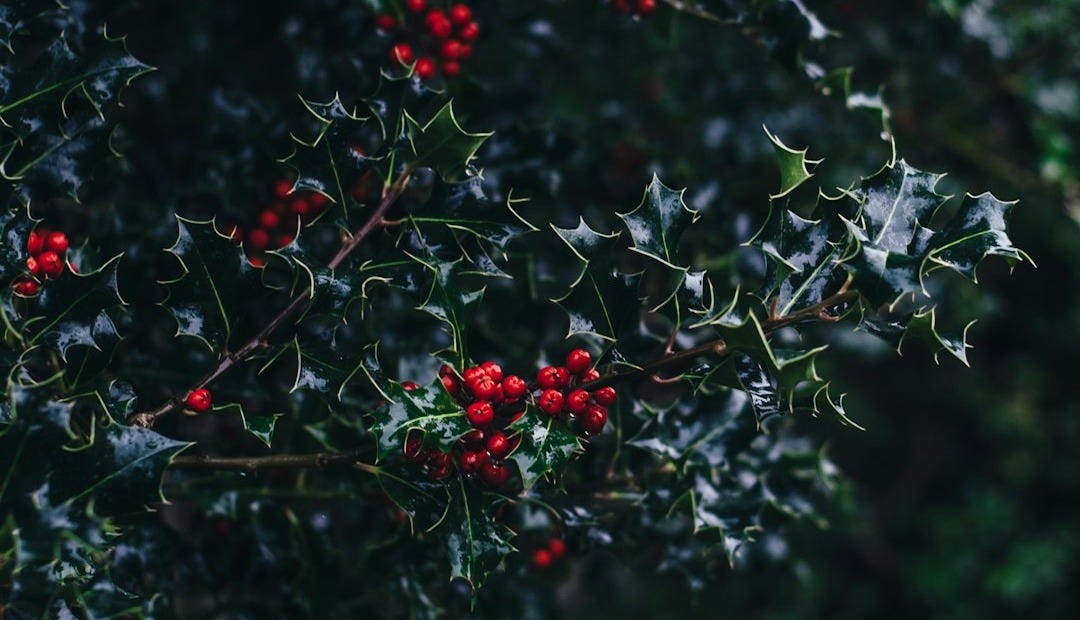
252, 464
229, 359
717, 348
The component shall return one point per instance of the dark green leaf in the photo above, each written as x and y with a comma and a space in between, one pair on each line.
429, 410
546, 446
441, 144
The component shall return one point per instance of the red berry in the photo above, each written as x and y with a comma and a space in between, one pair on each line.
451, 68
578, 361
469, 32
480, 413
551, 377
446, 370
606, 396
594, 419
551, 402
589, 375
413, 444
498, 445
493, 370
285, 240
233, 232
440, 28
198, 400
317, 200
494, 475
577, 401
471, 462
300, 207
259, 239
474, 439
646, 7
401, 53
57, 242
541, 559
473, 374
257, 260
35, 243
415, 6
464, 51
269, 220
409, 386
50, 264
33, 266
450, 50
621, 6
460, 14
514, 387
425, 68
450, 383
484, 388
557, 548
25, 288
282, 188
438, 464
385, 22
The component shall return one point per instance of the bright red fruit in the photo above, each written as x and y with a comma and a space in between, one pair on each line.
460, 14
25, 288
425, 68
450, 50
35, 243
440, 28
552, 377
409, 386
33, 266
550, 402
385, 22
577, 401
493, 370
57, 242
259, 239
415, 6
269, 220
402, 53
494, 475
541, 559
198, 400
50, 264
498, 445
578, 361
473, 374
514, 387
282, 188
480, 413
594, 419
646, 7
471, 462
589, 375
451, 68
469, 32
450, 383
484, 388
557, 548
606, 396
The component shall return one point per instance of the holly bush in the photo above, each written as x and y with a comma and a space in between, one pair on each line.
388, 308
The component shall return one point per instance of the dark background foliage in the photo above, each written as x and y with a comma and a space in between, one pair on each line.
959, 495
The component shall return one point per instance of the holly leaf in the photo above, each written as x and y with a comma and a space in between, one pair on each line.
429, 410
546, 446
441, 144
602, 301
424, 501
658, 222
464, 207
475, 543
71, 310
15, 226
449, 302
794, 165
321, 364
979, 229
215, 277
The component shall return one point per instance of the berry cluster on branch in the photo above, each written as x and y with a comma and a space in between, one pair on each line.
433, 40
47, 250
277, 224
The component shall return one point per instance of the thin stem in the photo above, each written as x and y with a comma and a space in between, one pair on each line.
717, 348
260, 340
252, 464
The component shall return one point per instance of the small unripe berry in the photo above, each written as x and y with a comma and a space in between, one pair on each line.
198, 400
480, 413
282, 187
415, 6
498, 445
50, 264
553, 377
550, 402
57, 242
460, 14
557, 548
514, 387
492, 370
606, 396
541, 559
401, 53
494, 475
484, 388
409, 386
35, 243
259, 239
593, 420
33, 266
25, 288
269, 220
471, 462
385, 23
577, 401
469, 32
451, 68
578, 361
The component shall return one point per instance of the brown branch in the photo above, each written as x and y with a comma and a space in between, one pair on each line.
252, 464
717, 348
147, 419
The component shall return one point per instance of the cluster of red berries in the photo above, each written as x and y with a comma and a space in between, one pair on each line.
276, 225
639, 8
442, 42
493, 401
47, 249
198, 400
545, 556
